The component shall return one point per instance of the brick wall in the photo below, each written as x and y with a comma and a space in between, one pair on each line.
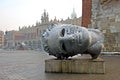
86, 12
106, 17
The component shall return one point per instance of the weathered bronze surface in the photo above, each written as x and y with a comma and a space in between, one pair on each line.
65, 40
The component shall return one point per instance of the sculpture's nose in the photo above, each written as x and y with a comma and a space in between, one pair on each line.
67, 38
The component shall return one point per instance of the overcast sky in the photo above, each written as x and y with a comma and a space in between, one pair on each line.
15, 13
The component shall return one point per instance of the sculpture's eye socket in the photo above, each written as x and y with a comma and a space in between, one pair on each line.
62, 32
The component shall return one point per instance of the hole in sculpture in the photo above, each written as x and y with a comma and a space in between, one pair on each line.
63, 47
62, 32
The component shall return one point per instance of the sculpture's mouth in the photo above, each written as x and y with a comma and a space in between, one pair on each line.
63, 47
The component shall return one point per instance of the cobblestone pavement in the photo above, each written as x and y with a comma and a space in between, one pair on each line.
29, 65
22, 65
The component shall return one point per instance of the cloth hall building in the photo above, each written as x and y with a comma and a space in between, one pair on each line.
31, 35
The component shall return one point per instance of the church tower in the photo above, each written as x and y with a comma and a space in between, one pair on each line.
73, 15
44, 17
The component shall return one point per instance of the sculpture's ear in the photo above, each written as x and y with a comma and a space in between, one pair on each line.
95, 50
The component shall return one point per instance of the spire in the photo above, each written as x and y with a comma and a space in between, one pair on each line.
73, 15
45, 17
44, 13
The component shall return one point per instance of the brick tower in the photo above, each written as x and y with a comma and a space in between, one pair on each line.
86, 12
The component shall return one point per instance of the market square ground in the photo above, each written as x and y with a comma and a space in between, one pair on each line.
29, 65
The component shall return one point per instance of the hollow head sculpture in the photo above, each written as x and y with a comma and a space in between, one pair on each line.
65, 40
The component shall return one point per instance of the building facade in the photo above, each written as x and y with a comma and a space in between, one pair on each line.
106, 17
1, 39
31, 35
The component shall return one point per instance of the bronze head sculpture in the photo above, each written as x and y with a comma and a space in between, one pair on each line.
65, 40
